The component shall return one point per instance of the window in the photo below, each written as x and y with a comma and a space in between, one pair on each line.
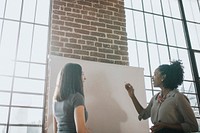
24, 27
156, 35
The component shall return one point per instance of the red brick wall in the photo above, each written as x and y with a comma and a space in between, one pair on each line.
90, 30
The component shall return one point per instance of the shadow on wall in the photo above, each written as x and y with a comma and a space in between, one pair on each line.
104, 113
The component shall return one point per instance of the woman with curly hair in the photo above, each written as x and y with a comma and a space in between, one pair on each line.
170, 110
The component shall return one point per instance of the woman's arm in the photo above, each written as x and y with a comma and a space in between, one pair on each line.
54, 125
136, 103
190, 122
79, 117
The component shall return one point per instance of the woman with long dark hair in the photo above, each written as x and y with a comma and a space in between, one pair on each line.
69, 110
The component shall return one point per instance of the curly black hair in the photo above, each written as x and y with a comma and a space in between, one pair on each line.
173, 73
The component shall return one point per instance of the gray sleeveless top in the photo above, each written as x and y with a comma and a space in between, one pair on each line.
64, 113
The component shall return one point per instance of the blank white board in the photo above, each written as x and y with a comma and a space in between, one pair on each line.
110, 109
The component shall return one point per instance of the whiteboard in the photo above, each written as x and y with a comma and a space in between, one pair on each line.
110, 109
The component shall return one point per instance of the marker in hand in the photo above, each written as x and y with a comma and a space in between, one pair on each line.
128, 86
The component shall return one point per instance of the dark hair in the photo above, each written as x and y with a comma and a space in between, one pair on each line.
69, 81
173, 74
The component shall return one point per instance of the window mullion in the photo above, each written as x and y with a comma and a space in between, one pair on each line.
191, 52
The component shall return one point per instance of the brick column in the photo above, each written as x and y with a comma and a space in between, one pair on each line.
90, 30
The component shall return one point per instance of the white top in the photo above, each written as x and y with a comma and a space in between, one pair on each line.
173, 110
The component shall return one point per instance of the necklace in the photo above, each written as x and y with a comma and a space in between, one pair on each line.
161, 98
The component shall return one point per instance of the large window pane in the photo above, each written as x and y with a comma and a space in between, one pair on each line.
30, 116
5, 83
194, 33
39, 48
128, 3
3, 129
4, 98
29, 7
4, 115
8, 47
154, 57
1, 21
9, 40
147, 5
29, 85
143, 58
7, 68
42, 12
22, 129
158, 55
151, 34
160, 30
188, 10
37, 71
25, 41
30, 70
2, 8
148, 82
175, 10
135, 4
133, 53
175, 33
31, 100
170, 31
13, 9
197, 57
22, 69
166, 7
191, 8
156, 6
180, 38
130, 26
171, 8
196, 10
163, 54
139, 26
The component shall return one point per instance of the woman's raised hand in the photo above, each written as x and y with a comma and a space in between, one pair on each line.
130, 89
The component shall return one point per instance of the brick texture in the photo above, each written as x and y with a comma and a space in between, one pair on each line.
89, 30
